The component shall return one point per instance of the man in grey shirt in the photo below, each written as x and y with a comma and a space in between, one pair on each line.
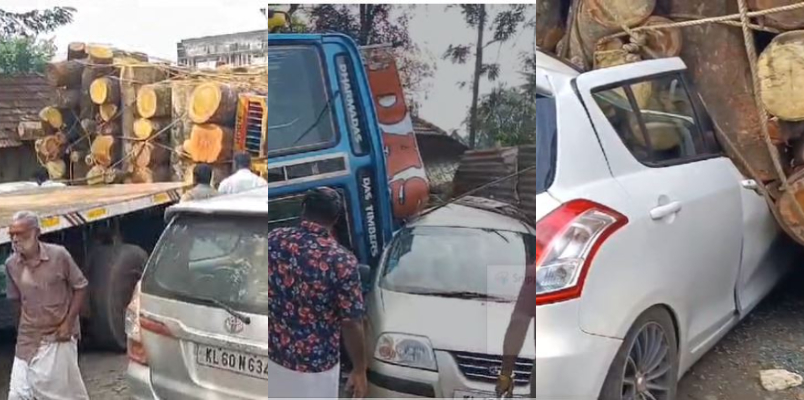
202, 177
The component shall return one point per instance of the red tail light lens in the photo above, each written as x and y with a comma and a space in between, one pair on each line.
567, 240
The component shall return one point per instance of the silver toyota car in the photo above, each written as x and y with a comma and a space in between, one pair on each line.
198, 323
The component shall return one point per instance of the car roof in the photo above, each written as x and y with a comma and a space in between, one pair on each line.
253, 201
553, 73
473, 213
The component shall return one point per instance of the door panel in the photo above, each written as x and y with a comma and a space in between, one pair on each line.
685, 200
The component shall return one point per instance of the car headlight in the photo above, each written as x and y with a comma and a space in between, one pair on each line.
407, 350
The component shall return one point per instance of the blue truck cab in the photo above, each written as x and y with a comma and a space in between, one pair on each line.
319, 128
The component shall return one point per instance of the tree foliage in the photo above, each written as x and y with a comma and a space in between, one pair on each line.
23, 54
506, 116
21, 50
35, 22
503, 23
371, 24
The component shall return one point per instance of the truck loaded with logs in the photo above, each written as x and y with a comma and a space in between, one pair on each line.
122, 133
745, 59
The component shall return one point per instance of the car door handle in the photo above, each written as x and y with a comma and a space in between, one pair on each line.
665, 210
750, 184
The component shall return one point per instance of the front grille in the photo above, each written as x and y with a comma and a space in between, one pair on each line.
486, 368
254, 127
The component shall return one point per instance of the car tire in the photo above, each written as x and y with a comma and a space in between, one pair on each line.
636, 371
113, 273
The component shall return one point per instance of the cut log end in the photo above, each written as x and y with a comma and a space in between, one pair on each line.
145, 128
56, 169
104, 90
209, 143
212, 102
100, 54
778, 70
52, 116
76, 51
107, 111
154, 101
101, 150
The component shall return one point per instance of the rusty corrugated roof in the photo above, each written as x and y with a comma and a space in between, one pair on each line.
423, 127
21, 98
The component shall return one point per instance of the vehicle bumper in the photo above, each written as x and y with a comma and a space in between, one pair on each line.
569, 364
139, 382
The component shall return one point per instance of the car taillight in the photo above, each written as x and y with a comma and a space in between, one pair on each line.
134, 347
567, 240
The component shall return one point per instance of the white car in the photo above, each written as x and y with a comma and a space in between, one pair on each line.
649, 245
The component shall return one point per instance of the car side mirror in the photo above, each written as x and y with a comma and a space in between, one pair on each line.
365, 274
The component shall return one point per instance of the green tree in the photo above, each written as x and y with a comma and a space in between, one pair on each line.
24, 54
502, 23
506, 116
21, 50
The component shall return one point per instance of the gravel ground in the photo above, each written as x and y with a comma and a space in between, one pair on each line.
771, 337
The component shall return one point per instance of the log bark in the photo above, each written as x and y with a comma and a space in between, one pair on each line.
149, 155
105, 90
133, 78
78, 167
788, 20
89, 126
111, 128
145, 128
599, 18
154, 100
102, 150
52, 117
64, 73
213, 102
718, 68
663, 43
108, 112
150, 175
209, 143
67, 98
549, 26
781, 75
76, 51
180, 131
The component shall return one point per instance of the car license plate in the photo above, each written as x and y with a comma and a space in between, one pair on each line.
460, 394
235, 361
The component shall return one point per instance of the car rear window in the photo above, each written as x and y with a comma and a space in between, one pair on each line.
224, 258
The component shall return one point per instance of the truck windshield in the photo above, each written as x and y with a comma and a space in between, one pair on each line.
298, 104
450, 260
201, 258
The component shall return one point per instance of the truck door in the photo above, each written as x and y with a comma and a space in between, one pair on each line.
684, 195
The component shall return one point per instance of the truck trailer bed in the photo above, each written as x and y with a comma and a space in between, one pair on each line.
64, 207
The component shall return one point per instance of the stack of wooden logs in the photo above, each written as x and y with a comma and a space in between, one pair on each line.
60, 118
205, 125
718, 67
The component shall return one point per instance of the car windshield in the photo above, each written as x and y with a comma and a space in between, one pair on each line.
300, 115
546, 132
204, 259
482, 263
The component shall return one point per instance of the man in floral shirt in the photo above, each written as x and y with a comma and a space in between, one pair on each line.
315, 294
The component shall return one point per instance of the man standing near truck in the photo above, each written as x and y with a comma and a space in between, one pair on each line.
47, 290
202, 177
315, 295
243, 179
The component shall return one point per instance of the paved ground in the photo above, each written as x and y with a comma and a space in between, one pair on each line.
772, 337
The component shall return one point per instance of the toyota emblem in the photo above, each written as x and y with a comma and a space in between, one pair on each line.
233, 325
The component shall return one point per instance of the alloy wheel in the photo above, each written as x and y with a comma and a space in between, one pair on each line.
647, 372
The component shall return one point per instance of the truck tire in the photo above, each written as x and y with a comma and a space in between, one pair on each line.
113, 273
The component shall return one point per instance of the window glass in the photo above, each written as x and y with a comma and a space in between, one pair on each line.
656, 120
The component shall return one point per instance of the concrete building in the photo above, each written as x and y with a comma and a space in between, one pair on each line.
237, 49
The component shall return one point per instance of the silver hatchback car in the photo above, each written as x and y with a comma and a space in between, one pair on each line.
198, 322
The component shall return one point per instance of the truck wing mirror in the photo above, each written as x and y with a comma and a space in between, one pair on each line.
365, 274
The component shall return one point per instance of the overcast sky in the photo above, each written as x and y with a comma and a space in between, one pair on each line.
155, 26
